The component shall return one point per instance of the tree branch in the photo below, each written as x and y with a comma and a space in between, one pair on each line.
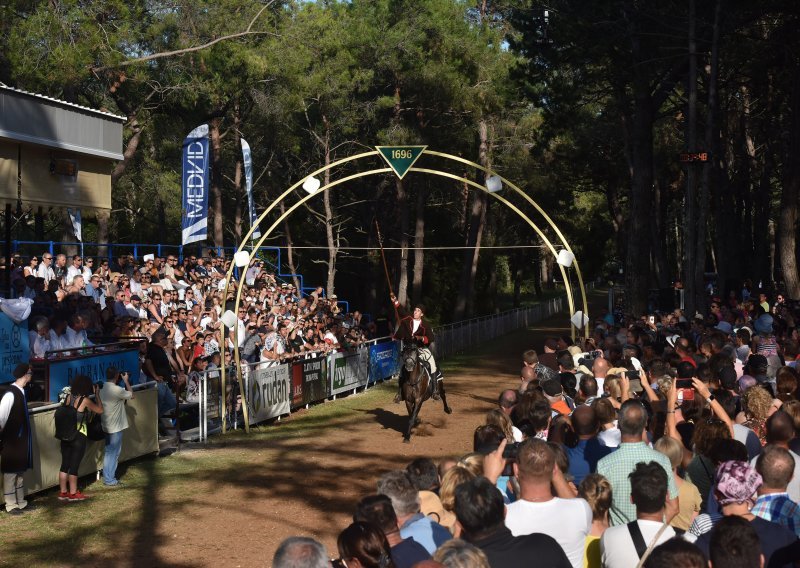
185, 50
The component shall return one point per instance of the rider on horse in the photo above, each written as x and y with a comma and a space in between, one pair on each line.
415, 330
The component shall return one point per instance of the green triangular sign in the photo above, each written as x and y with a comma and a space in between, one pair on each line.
401, 158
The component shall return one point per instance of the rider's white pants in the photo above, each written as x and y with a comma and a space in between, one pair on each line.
426, 355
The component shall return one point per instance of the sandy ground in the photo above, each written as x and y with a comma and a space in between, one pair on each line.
309, 486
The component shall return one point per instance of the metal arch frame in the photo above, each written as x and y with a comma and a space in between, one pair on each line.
255, 246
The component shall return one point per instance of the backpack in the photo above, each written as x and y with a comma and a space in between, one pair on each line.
66, 419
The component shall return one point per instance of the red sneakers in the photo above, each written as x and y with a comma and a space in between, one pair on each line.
78, 496
63, 496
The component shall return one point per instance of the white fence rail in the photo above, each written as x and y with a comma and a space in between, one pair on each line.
457, 337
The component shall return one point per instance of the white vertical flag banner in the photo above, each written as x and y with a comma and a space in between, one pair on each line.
196, 164
75, 218
248, 180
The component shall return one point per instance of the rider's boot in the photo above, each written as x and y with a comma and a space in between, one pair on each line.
437, 377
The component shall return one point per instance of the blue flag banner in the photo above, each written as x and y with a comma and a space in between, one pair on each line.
248, 180
196, 163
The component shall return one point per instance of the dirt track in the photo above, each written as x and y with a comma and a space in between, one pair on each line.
309, 485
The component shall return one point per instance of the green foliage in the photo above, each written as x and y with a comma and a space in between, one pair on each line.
330, 75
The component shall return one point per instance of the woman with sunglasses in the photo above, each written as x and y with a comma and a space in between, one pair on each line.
32, 267
154, 309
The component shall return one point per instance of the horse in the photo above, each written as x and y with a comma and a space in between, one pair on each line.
416, 386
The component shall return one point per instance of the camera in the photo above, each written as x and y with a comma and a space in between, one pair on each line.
510, 454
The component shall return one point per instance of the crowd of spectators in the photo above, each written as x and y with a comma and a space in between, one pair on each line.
664, 442
174, 309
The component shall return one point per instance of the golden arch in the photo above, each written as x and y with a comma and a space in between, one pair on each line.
244, 244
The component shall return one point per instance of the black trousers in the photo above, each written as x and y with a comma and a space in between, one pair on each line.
72, 454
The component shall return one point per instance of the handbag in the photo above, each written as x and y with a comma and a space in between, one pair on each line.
66, 421
94, 428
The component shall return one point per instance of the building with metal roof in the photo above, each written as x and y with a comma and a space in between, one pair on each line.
55, 153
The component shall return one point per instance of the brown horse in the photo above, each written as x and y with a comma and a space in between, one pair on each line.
416, 386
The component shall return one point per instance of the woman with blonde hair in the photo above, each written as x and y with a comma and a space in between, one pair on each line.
757, 403
454, 477
497, 417
596, 489
689, 498
473, 462
457, 553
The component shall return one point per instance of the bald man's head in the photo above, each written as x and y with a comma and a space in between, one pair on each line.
600, 368
527, 373
776, 466
632, 419
584, 422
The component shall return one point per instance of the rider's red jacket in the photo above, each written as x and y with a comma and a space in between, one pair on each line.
405, 332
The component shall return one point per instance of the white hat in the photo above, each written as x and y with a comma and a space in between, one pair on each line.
148, 257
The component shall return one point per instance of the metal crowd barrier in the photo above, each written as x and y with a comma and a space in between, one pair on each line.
275, 390
457, 337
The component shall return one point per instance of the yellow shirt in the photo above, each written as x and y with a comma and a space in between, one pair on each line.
689, 501
591, 555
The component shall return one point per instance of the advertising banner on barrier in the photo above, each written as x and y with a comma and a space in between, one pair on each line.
61, 372
269, 393
315, 379
384, 360
348, 371
14, 347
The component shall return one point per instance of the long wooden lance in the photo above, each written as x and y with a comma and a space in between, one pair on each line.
386, 268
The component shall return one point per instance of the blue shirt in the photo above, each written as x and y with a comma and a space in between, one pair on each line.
430, 534
583, 458
778, 508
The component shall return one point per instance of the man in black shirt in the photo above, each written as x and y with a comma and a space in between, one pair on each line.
480, 511
158, 367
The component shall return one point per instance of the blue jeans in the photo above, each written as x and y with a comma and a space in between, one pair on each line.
166, 400
111, 457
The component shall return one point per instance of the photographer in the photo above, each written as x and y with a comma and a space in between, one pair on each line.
115, 420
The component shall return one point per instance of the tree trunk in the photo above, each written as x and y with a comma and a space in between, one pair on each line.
708, 169
419, 243
333, 250
465, 301
693, 288
402, 269
38, 225
130, 149
790, 195
237, 177
516, 263
637, 261
660, 265
289, 248
216, 181
103, 217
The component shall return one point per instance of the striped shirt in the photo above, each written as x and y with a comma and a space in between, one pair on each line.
618, 466
778, 508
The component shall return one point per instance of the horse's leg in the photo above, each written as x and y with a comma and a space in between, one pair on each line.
447, 409
412, 419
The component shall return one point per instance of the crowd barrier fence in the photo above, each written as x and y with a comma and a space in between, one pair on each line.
457, 337
272, 391
275, 390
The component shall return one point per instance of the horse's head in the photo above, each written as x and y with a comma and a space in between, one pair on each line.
410, 357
